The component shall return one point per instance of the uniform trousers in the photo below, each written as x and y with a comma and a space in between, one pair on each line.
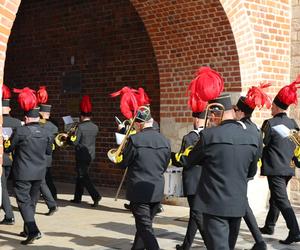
27, 194
50, 183
279, 202
83, 181
144, 214
7, 208
195, 222
47, 195
221, 232
250, 220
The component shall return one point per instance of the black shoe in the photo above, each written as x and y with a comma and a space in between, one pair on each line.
30, 239
52, 210
290, 239
23, 234
179, 247
7, 221
127, 206
160, 209
96, 202
266, 230
259, 246
75, 201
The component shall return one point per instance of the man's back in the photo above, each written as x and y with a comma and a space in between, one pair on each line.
278, 151
86, 139
228, 154
31, 144
148, 157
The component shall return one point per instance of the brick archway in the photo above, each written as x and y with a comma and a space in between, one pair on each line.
254, 39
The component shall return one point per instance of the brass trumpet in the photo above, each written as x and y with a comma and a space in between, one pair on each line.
61, 138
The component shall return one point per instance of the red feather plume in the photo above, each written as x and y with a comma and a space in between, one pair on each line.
142, 97
5, 92
196, 104
128, 104
26, 99
42, 95
256, 97
288, 94
86, 104
207, 85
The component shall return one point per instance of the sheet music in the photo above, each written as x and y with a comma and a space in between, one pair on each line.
67, 119
6, 132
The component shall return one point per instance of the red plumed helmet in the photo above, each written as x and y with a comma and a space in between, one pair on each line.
42, 95
287, 95
6, 94
207, 85
196, 104
142, 97
26, 99
86, 104
256, 97
128, 104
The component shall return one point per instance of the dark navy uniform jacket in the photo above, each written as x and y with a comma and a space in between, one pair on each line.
85, 143
52, 129
190, 174
13, 123
147, 155
252, 127
278, 152
31, 144
228, 155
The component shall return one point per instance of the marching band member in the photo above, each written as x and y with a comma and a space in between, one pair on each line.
134, 99
207, 84
277, 155
30, 143
146, 155
84, 141
191, 174
190, 178
243, 111
13, 123
228, 155
48, 188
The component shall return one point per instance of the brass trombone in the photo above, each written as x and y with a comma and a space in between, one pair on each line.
213, 115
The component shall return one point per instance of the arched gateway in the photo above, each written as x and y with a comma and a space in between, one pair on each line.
166, 42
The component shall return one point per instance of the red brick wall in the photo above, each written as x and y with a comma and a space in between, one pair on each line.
185, 35
248, 41
111, 49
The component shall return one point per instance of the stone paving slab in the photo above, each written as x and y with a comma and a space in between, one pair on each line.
110, 226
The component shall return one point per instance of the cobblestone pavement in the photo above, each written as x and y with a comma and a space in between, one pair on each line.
110, 226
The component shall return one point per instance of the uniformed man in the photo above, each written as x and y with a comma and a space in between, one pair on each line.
13, 123
243, 112
190, 178
228, 155
277, 155
85, 142
48, 189
122, 130
30, 144
147, 155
